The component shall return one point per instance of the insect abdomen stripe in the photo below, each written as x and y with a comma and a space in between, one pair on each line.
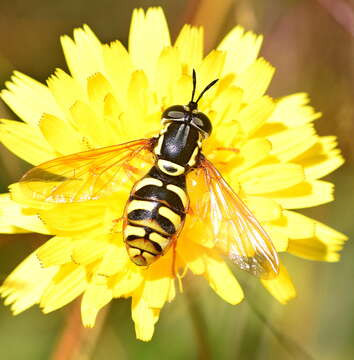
154, 214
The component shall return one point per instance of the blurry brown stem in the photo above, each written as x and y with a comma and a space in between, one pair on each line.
77, 342
341, 11
200, 328
210, 14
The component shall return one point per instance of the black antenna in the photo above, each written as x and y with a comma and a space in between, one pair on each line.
194, 84
206, 89
194, 104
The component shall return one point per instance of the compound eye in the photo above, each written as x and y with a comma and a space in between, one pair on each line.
174, 112
202, 122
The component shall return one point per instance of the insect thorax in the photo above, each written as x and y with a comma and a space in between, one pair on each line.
177, 148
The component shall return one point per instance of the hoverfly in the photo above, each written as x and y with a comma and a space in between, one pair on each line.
158, 203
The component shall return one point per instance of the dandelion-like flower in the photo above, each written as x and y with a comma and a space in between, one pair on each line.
266, 149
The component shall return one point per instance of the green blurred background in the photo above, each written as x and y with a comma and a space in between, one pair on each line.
311, 44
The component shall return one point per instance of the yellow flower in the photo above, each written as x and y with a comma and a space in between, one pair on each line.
114, 95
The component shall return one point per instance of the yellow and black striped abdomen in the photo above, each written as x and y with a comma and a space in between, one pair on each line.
154, 215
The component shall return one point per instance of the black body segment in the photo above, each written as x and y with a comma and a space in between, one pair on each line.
154, 215
158, 203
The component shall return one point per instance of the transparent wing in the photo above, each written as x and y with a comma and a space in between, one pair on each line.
235, 229
88, 175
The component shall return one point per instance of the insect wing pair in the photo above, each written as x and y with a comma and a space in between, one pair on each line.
93, 174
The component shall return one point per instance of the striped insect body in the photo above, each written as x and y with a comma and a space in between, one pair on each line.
159, 203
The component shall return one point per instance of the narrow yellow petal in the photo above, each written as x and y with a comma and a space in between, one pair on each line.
210, 69
295, 226
263, 209
290, 144
222, 281
127, 282
189, 45
278, 237
84, 54
158, 282
12, 214
56, 251
114, 260
148, 36
88, 124
323, 246
29, 99
282, 288
293, 111
144, 318
26, 284
303, 195
66, 90
269, 178
253, 116
251, 153
86, 251
67, 284
25, 141
255, 80
190, 253
95, 297
168, 72
322, 158
119, 76
61, 135
242, 49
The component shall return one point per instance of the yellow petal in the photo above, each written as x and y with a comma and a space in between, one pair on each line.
251, 153
209, 70
56, 251
322, 159
282, 288
323, 246
11, 213
158, 283
29, 99
293, 111
127, 282
191, 254
288, 145
295, 226
253, 116
88, 124
168, 72
144, 318
269, 178
86, 251
66, 90
26, 284
118, 66
114, 260
95, 297
278, 237
83, 55
61, 135
148, 36
241, 48
303, 195
222, 281
67, 284
255, 80
25, 141
263, 209
189, 45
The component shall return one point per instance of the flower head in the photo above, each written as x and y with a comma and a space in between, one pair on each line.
266, 149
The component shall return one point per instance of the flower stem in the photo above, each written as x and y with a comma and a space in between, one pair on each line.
77, 342
199, 323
